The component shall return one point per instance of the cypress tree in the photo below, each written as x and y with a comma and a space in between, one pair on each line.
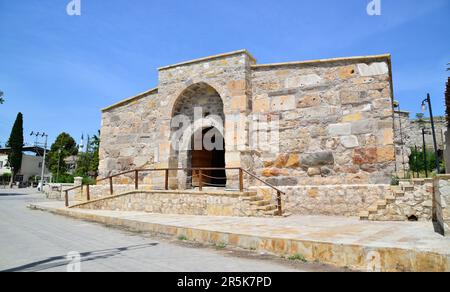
15, 142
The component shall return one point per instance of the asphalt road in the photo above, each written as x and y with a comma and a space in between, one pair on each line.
35, 241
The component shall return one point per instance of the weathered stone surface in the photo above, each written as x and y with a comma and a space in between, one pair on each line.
364, 127
312, 171
302, 81
352, 117
347, 72
283, 103
352, 97
386, 153
343, 129
365, 156
309, 101
317, 159
373, 69
349, 142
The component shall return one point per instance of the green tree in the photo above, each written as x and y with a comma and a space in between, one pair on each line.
87, 164
63, 147
417, 163
15, 142
95, 146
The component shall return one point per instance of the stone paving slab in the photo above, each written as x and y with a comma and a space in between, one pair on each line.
341, 241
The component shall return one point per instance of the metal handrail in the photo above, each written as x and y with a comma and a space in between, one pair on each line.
167, 170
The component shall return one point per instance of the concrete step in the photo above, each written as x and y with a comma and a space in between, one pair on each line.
270, 213
265, 208
390, 198
381, 204
399, 194
364, 215
261, 203
409, 188
373, 210
251, 198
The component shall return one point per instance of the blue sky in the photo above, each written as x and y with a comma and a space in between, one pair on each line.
59, 71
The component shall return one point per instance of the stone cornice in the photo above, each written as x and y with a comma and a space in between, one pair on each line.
130, 99
320, 61
209, 58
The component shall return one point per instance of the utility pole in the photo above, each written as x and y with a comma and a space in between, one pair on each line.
43, 162
38, 134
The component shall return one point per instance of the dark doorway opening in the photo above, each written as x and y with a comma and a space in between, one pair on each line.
205, 158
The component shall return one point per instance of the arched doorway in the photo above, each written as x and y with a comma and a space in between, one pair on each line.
201, 106
205, 156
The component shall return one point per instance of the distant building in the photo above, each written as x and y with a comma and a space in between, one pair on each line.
32, 163
71, 163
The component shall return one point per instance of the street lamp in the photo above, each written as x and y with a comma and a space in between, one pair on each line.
424, 109
424, 132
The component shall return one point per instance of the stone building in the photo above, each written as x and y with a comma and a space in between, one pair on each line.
296, 125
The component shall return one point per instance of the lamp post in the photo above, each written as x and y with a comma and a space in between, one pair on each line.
424, 109
425, 152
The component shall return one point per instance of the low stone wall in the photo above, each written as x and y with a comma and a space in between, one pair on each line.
103, 190
55, 191
332, 200
175, 202
441, 204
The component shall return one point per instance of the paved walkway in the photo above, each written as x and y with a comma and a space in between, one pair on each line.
336, 240
33, 241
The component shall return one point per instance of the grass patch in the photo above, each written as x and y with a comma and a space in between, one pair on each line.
220, 245
297, 257
182, 238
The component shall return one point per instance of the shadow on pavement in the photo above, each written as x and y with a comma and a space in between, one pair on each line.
58, 261
13, 194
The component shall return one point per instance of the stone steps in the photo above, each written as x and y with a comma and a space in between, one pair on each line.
265, 208
387, 209
260, 203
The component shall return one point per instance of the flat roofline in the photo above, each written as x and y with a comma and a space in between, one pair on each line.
130, 99
239, 52
319, 61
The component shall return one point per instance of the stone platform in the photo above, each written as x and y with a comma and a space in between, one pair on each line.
340, 241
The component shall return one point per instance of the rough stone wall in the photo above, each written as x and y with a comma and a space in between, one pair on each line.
441, 204
336, 123
414, 132
175, 203
402, 138
129, 136
332, 200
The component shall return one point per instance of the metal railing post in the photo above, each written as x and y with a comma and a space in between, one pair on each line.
241, 180
166, 181
66, 198
200, 180
88, 194
136, 180
111, 189
280, 211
